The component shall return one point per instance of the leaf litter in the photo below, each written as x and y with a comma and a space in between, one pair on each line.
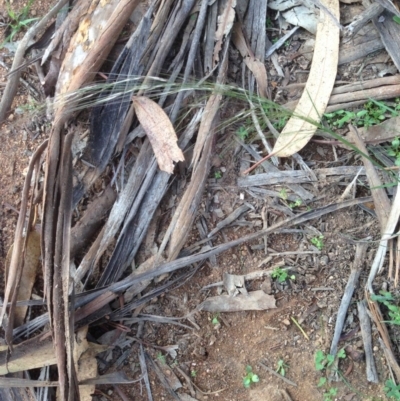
89, 297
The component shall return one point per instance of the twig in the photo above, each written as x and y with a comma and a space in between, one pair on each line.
300, 328
348, 293
278, 375
365, 324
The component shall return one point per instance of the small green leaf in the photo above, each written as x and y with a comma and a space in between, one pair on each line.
319, 360
330, 359
396, 19
255, 378
341, 354
322, 381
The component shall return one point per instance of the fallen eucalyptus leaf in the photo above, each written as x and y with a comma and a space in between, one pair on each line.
312, 105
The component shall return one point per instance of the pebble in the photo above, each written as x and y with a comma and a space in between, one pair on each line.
286, 322
323, 260
11, 117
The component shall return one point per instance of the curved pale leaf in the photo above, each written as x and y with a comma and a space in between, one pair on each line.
303, 124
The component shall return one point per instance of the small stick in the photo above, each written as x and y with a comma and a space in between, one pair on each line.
272, 371
300, 328
365, 324
348, 293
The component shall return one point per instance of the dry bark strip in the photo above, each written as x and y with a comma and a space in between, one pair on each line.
90, 223
83, 59
20, 245
381, 200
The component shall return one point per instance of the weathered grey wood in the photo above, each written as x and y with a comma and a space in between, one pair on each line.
366, 332
389, 32
372, 11
348, 294
295, 176
254, 26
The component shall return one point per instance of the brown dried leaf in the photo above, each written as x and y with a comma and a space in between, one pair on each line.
160, 132
302, 125
254, 65
225, 22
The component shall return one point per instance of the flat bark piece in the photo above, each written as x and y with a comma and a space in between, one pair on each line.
255, 300
317, 92
234, 284
160, 132
302, 16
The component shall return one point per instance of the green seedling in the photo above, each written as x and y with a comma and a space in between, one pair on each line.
295, 204
282, 366
394, 151
281, 275
283, 194
318, 241
215, 320
250, 377
162, 358
373, 113
193, 373
18, 20
323, 361
391, 390
330, 394
242, 133
217, 175
388, 300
